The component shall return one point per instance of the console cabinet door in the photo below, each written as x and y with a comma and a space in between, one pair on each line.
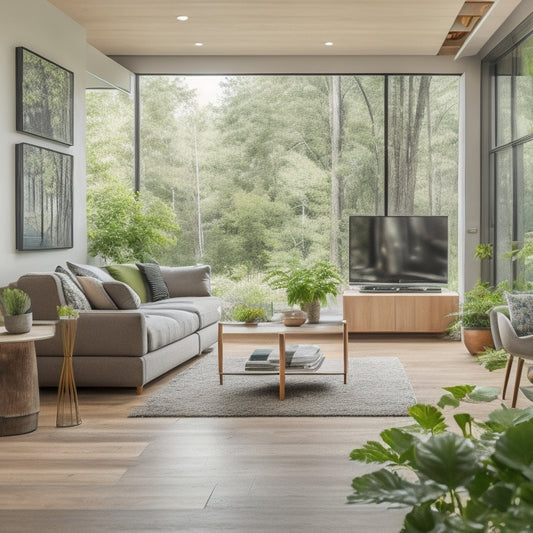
369, 313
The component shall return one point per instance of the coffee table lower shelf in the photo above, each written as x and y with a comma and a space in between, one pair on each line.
329, 367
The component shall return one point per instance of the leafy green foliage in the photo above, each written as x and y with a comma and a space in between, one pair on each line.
243, 313
124, 226
461, 482
478, 302
15, 302
306, 285
67, 311
484, 251
493, 359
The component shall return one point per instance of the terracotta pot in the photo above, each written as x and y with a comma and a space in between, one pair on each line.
17, 324
477, 339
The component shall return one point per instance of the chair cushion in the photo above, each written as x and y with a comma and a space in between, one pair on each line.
521, 312
154, 279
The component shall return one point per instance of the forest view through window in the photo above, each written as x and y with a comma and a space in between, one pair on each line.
264, 171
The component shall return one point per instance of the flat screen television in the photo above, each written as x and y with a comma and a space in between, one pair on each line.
410, 250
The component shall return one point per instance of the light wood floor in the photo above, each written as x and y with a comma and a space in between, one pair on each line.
115, 473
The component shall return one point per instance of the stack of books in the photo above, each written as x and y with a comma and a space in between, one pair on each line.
297, 356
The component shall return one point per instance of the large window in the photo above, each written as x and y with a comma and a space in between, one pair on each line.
511, 156
264, 170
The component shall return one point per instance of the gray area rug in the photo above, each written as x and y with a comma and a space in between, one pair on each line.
377, 386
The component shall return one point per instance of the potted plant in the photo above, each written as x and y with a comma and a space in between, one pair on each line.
473, 317
18, 317
247, 314
307, 287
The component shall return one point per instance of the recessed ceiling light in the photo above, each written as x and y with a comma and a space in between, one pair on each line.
328, 43
182, 18
198, 44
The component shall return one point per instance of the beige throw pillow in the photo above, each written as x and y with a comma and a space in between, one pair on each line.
123, 295
96, 294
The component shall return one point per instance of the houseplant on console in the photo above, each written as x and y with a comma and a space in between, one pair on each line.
307, 287
17, 311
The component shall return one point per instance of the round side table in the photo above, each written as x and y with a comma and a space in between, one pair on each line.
19, 384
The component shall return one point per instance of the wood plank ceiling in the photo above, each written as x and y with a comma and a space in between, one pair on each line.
274, 27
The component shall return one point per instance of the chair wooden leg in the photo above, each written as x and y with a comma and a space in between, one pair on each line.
519, 367
507, 374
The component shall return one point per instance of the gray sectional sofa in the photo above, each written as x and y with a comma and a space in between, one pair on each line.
122, 341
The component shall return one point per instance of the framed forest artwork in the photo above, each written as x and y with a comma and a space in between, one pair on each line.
45, 97
43, 198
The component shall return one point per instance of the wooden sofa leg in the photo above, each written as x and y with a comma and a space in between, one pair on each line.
507, 374
519, 367
140, 389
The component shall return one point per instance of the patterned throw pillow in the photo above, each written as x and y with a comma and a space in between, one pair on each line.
156, 283
96, 294
73, 294
521, 312
123, 295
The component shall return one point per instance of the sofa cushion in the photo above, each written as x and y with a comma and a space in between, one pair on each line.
73, 294
154, 279
132, 276
96, 294
166, 327
206, 308
521, 312
187, 281
89, 270
122, 294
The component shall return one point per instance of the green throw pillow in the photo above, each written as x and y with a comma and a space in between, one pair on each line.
521, 312
132, 276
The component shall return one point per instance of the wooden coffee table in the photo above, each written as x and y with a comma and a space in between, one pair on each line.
268, 332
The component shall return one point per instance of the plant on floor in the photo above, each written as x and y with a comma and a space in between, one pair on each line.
307, 286
493, 359
476, 477
15, 302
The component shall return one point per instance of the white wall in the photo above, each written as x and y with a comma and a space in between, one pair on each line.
40, 27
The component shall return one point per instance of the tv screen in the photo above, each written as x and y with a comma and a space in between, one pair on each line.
398, 249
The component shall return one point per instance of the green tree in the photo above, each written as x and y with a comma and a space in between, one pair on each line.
124, 226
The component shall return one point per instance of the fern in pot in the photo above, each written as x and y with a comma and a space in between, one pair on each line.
307, 287
16, 305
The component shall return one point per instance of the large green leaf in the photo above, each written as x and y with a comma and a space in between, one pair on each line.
464, 421
499, 496
400, 441
421, 519
505, 418
428, 417
374, 452
469, 393
447, 459
386, 486
515, 448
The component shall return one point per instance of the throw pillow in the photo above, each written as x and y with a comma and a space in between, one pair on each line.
521, 312
130, 275
156, 283
188, 281
89, 270
122, 294
73, 294
96, 294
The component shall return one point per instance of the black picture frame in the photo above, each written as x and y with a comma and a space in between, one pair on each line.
44, 198
45, 97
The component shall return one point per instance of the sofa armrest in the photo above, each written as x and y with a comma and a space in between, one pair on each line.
45, 292
103, 333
